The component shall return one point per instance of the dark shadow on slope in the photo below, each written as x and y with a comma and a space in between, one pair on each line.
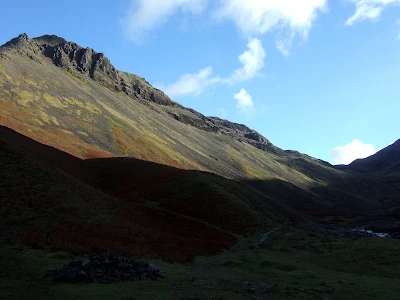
293, 196
225, 203
370, 186
125, 205
368, 194
352, 194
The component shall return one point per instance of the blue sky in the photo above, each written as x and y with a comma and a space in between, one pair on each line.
317, 76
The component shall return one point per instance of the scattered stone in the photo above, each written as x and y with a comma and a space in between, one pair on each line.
106, 268
85, 263
153, 268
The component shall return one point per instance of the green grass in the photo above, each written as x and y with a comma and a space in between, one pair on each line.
327, 268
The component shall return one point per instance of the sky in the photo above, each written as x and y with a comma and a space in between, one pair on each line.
317, 76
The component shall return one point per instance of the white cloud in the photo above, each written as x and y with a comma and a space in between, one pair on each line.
191, 84
143, 16
244, 103
252, 62
350, 152
368, 10
256, 17
398, 23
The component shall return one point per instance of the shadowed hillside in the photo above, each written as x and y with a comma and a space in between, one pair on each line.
50, 198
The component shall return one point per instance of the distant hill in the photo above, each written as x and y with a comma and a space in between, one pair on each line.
73, 99
385, 162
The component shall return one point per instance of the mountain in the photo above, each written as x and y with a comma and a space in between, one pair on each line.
89, 67
73, 99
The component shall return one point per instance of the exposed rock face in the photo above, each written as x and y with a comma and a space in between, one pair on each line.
51, 40
98, 67
106, 268
86, 62
245, 134
25, 46
18, 41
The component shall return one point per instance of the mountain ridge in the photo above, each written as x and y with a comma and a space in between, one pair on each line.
97, 66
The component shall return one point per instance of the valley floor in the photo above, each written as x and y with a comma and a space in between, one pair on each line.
290, 264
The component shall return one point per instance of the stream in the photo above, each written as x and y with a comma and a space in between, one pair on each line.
378, 234
265, 236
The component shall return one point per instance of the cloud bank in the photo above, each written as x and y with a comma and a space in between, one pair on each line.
252, 18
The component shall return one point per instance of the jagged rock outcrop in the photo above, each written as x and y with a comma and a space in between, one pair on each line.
51, 40
19, 41
86, 62
98, 67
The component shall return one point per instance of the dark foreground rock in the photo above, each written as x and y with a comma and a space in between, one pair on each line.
106, 268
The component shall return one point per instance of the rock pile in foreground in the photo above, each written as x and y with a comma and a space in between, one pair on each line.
106, 268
